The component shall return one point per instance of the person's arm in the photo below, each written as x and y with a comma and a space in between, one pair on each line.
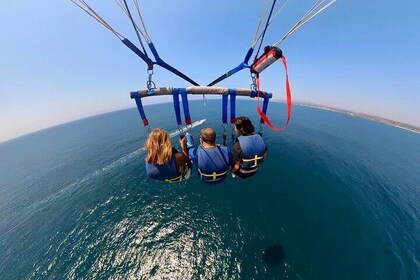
236, 157
230, 158
183, 143
182, 162
187, 144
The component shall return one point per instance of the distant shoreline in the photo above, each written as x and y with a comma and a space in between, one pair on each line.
401, 125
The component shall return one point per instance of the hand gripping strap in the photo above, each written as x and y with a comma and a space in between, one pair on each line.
288, 102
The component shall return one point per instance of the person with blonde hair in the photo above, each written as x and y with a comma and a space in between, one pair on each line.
163, 161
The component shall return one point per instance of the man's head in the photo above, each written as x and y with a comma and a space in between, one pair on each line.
208, 136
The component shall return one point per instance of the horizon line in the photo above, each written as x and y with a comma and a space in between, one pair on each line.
394, 123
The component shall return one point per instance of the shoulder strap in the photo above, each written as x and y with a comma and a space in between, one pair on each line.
223, 156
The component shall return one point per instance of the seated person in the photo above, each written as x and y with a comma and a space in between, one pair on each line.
163, 162
212, 161
248, 151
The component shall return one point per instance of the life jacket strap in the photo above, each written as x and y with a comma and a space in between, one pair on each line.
255, 160
213, 175
176, 179
246, 171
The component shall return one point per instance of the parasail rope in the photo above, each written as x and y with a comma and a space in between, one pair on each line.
146, 37
306, 18
120, 4
278, 11
136, 29
256, 38
86, 8
265, 28
280, 8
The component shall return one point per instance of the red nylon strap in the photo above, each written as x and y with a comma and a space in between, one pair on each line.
288, 102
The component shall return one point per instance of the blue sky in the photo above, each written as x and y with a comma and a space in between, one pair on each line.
57, 64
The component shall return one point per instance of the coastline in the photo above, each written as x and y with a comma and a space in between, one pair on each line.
401, 125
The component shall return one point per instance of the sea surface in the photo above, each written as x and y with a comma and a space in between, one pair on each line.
337, 198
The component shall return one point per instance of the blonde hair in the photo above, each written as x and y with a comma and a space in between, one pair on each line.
158, 147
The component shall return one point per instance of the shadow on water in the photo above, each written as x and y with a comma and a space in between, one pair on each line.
274, 255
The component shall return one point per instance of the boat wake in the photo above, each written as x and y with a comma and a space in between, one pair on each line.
70, 188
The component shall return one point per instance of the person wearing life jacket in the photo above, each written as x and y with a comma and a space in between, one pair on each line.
248, 151
213, 161
164, 162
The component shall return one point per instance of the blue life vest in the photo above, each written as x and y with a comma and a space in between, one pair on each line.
213, 163
253, 150
168, 171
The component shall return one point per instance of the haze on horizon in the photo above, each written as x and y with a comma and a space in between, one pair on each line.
57, 64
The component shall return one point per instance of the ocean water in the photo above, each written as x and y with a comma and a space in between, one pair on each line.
337, 198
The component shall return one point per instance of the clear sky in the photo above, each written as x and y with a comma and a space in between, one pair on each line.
57, 64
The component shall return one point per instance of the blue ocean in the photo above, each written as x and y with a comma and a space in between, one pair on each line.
337, 198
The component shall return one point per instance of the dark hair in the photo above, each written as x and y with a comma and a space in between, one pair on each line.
208, 135
244, 125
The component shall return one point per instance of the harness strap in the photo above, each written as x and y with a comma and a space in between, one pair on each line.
175, 95
168, 67
232, 93
140, 108
238, 68
265, 106
136, 50
288, 101
224, 108
185, 106
224, 116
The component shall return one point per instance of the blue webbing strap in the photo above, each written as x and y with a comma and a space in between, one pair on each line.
136, 50
175, 95
253, 93
140, 108
224, 116
185, 106
224, 108
238, 68
168, 67
265, 105
232, 93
